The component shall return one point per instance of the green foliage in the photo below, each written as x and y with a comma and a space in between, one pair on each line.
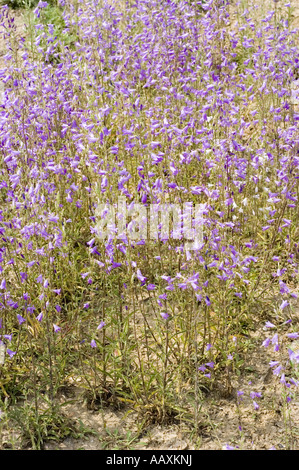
38, 426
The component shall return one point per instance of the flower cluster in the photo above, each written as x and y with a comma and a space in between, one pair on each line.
165, 102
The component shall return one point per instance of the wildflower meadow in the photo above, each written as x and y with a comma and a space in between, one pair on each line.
149, 222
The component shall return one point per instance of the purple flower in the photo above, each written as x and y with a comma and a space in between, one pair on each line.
282, 379
293, 335
210, 364
293, 355
56, 328
283, 288
269, 325
151, 287
266, 342
39, 317
93, 344
42, 4
273, 363
277, 370
228, 447
140, 276
87, 305
274, 340
20, 319
164, 315
10, 352
163, 296
284, 304
101, 325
